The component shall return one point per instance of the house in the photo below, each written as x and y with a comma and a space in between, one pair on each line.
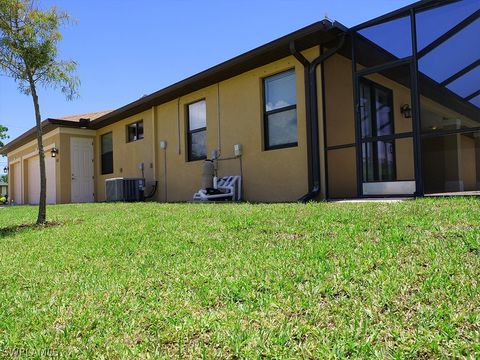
390, 107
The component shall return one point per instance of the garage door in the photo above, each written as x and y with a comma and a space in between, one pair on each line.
34, 180
17, 183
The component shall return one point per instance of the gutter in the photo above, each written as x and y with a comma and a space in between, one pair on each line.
305, 38
311, 107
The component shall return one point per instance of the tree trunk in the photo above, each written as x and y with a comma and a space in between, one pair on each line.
42, 205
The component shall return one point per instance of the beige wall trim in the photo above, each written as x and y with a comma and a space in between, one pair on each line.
74, 131
34, 142
59, 130
34, 153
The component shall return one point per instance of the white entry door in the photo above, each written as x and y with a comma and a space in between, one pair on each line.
34, 180
81, 150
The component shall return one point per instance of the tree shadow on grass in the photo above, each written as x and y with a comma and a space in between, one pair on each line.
15, 229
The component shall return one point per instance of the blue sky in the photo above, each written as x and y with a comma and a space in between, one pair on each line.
128, 48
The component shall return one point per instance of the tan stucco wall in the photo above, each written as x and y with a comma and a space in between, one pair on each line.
339, 101
404, 159
127, 157
342, 179
469, 170
234, 116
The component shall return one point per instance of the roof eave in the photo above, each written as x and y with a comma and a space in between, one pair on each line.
47, 126
272, 51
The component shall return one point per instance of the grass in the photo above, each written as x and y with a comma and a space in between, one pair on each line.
325, 280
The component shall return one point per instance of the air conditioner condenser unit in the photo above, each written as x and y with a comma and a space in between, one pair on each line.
125, 189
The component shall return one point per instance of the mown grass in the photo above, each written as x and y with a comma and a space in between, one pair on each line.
322, 280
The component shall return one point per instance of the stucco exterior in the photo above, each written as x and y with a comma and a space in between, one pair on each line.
234, 116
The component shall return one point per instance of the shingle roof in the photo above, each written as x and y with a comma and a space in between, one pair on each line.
91, 116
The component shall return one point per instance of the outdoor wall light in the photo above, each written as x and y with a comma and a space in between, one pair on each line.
5, 169
54, 152
406, 111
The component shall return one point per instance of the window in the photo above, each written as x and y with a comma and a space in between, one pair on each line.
107, 153
280, 110
376, 116
135, 131
197, 130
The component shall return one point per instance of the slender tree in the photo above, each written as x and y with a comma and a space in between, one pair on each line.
3, 136
29, 37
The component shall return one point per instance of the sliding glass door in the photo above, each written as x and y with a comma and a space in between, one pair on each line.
376, 117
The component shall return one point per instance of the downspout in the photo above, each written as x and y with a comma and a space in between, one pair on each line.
155, 136
219, 142
311, 110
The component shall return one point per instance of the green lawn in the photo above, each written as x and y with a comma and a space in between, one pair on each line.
278, 281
